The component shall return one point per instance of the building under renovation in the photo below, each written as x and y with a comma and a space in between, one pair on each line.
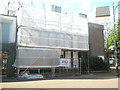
50, 39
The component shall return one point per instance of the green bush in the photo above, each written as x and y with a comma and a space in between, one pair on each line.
97, 64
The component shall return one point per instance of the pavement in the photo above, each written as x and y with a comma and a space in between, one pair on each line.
92, 80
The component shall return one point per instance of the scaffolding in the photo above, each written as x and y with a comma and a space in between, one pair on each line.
56, 30
42, 35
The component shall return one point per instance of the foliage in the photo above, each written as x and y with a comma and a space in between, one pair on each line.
97, 63
110, 40
118, 34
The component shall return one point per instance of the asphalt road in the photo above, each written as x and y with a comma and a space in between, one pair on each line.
68, 83
95, 80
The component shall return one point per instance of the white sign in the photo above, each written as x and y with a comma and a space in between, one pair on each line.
65, 62
75, 63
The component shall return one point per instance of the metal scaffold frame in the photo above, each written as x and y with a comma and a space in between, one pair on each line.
47, 30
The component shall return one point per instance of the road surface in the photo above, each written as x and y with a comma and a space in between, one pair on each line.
96, 80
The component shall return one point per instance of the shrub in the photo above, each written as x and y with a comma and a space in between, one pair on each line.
97, 63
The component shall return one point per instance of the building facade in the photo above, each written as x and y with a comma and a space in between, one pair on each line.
7, 44
96, 40
46, 41
50, 40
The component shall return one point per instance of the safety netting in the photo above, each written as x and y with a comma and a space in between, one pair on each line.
52, 29
42, 34
37, 58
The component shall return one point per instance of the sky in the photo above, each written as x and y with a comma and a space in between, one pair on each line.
70, 6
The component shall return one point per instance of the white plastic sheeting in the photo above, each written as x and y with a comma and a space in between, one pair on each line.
46, 29
52, 29
35, 37
37, 58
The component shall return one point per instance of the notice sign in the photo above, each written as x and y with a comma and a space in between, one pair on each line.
75, 63
65, 62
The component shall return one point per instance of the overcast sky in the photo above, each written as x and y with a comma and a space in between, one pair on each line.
70, 6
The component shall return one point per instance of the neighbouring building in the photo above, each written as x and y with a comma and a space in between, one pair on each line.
47, 42
119, 10
7, 44
104, 17
96, 40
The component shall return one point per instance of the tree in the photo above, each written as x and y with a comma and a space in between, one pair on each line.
110, 40
118, 34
